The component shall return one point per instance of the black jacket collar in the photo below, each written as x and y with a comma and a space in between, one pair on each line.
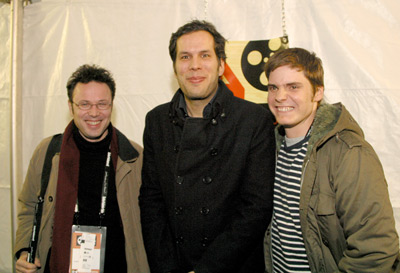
219, 106
125, 149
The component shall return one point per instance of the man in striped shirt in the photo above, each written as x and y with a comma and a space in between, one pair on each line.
331, 205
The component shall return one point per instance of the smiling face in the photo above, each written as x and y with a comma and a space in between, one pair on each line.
292, 100
197, 67
92, 123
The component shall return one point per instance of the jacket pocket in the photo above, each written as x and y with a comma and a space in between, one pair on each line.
325, 205
330, 230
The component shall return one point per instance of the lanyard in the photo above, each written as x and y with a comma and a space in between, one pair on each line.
104, 190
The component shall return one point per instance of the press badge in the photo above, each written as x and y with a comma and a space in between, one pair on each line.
88, 247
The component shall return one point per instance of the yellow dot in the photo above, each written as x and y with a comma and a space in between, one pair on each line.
254, 57
263, 79
274, 44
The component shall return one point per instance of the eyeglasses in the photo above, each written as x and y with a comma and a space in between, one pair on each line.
87, 106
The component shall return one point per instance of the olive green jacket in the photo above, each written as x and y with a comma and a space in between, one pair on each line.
345, 213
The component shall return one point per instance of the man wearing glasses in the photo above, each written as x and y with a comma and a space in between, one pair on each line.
90, 206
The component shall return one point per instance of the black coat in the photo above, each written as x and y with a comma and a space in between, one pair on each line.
206, 197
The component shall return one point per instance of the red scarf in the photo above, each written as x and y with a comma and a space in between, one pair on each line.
66, 195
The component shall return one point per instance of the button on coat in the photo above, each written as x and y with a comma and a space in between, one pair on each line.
220, 171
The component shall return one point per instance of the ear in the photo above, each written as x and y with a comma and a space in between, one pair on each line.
319, 94
71, 109
221, 68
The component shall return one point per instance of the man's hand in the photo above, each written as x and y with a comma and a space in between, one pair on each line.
23, 266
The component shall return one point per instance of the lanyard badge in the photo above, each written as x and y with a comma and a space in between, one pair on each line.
88, 243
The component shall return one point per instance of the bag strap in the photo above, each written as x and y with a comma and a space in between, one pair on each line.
53, 148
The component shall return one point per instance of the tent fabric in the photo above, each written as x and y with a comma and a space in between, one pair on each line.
358, 42
5, 153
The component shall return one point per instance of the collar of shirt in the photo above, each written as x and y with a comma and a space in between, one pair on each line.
206, 111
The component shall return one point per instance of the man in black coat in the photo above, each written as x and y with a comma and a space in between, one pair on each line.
208, 170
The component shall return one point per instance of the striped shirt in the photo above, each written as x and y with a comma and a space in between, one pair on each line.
288, 250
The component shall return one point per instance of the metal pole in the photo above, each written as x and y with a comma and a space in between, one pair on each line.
16, 100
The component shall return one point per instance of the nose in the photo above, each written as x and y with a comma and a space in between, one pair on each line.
93, 111
281, 95
195, 63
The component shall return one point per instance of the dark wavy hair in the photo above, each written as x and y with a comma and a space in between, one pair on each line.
197, 25
87, 73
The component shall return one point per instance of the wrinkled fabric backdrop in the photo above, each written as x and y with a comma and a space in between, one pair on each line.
357, 40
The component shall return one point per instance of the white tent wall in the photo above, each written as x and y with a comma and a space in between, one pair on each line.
358, 41
5, 104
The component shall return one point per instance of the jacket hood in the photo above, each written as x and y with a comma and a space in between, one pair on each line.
330, 120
